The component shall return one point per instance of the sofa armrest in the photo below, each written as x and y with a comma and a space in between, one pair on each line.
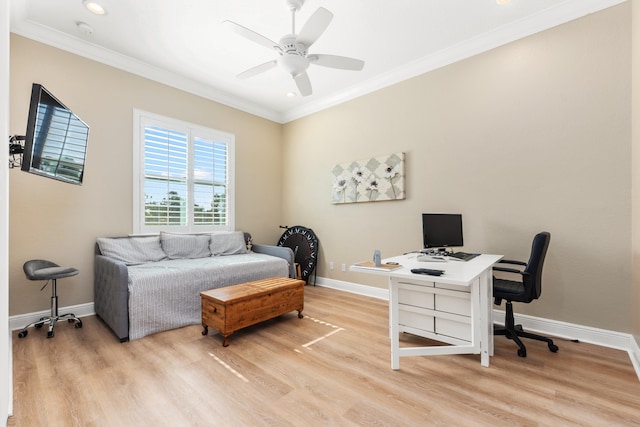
280, 252
111, 299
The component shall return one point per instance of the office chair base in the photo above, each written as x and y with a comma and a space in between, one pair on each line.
51, 321
515, 332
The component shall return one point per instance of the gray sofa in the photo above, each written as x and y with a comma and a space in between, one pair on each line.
152, 283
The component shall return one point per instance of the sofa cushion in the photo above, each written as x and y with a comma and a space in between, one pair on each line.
185, 246
132, 250
227, 243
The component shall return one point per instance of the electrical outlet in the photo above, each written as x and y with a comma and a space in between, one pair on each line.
330, 265
344, 267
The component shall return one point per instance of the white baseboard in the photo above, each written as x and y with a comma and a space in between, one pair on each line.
354, 288
19, 321
570, 331
634, 355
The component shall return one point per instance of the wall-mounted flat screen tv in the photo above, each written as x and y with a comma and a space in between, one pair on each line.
56, 139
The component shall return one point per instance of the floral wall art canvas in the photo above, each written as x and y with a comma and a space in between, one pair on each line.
370, 180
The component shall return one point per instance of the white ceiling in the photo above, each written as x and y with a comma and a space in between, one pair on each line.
183, 44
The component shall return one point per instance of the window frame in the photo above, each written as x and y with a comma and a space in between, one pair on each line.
142, 119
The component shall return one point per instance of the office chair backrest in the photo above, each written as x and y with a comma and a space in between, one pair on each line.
532, 275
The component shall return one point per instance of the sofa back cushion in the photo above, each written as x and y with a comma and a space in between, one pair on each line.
180, 246
227, 243
132, 250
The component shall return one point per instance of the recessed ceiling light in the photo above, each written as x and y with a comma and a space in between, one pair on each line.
94, 7
502, 1
291, 94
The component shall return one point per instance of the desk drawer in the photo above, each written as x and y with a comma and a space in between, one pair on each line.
416, 295
415, 318
456, 303
451, 328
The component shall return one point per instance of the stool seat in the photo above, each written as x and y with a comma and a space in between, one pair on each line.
39, 269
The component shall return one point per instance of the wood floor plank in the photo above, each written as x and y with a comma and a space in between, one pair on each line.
330, 368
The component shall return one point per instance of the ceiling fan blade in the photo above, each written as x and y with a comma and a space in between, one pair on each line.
314, 27
250, 34
335, 61
303, 83
257, 69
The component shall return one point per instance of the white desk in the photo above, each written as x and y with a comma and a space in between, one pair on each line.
455, 308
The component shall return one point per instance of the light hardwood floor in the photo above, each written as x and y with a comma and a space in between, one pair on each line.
330, 368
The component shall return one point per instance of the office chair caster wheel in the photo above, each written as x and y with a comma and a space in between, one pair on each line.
22, 334
78, 324
553, 348
70, 320
522, 352
38, 325
50, 334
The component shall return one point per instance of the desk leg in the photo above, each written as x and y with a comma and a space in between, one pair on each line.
486, 314
393, 325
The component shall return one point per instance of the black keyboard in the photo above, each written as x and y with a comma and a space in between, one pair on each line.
463, 255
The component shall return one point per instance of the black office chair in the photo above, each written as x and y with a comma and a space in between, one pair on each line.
38, 269
526, 290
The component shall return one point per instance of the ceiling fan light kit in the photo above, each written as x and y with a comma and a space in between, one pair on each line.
292, 48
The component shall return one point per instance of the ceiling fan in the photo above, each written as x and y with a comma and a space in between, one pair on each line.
292, 48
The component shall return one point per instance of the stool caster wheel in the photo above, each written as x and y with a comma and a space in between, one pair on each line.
50, 334
553, 348
78, 324
22, 334
38, 325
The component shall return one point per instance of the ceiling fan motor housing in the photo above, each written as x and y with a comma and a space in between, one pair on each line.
293, 55
289, 46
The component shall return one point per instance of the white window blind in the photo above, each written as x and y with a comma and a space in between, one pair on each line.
184, 179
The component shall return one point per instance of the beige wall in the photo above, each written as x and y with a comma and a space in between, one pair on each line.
532, 136
60, 222
635, 297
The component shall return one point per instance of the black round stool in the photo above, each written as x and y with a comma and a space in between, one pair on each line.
38, 269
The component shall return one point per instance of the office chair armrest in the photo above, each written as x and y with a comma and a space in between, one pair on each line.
507, 270
510, 261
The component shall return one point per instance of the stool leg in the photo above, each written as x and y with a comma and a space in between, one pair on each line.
54, 299
51, 320
54, 308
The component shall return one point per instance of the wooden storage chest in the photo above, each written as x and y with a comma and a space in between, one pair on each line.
234, 307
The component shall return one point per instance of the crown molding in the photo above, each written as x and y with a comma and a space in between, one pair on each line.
131, 65
561, 13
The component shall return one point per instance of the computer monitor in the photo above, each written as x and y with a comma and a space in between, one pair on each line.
441, 230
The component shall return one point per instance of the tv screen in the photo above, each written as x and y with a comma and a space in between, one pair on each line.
56, 139
441, 230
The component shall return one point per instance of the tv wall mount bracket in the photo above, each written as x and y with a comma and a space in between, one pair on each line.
16, 148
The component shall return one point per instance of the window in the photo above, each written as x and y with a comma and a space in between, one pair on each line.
183, 176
